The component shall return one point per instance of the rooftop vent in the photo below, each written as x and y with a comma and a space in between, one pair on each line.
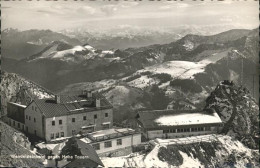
98, 104
57, 99
88, 93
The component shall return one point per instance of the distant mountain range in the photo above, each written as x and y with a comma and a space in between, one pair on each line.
21, 44
125, 36
61, 63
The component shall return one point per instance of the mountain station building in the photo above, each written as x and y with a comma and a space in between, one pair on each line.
177, 123
62, 115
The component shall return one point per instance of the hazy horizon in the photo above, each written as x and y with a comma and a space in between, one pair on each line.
103, 15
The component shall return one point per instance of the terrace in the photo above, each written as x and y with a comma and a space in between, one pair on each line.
113, 133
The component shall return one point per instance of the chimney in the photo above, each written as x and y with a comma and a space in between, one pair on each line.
98, 103
57, 99
89, 94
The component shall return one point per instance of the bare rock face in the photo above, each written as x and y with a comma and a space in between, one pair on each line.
238, 110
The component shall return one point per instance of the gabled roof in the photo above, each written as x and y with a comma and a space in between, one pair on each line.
71, 104
75, 146
176, 118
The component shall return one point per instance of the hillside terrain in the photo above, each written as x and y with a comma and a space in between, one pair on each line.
10, 86
222, 152
217, 72
8, 147
55, 66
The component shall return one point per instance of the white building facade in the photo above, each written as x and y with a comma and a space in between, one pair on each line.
176, 124
111, 140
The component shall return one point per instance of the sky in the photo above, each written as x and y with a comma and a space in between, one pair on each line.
99, 14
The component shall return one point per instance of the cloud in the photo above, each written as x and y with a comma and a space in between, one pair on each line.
87, 10
112, 8
170, 5
128, 4
109, 9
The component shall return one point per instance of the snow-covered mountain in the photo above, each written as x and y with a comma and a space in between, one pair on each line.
125, 36
64, 52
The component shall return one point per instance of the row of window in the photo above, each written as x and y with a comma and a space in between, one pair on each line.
107, 144
29, 117
34, 108
18, 124
196, 129
74, 119
53, 122
57, 135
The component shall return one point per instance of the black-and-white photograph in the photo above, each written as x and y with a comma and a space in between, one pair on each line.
127, 83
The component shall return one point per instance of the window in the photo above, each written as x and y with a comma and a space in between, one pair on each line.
207, 129
165, 131
119, 141
18, 125
57, 135
200, 129
186, 130
106, 114
106, 126
26, 116
96, 146
13, 123
62, 134
73, 119
178, 130
108, 144
88, 129
35, 132
84, 118
95, 116
60, 122
34, 119
52, 136
172, 130
29, 117
53, 122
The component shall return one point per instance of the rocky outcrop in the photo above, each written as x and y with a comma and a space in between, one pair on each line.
238, 110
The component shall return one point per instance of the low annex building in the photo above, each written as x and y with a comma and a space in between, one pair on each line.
111, 140
74, 153
178, 123
62, 115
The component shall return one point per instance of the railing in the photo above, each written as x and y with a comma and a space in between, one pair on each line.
112, 136
188, 140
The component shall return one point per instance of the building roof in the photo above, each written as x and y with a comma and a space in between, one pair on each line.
71, 104
75, 146
109, 134
176, 118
